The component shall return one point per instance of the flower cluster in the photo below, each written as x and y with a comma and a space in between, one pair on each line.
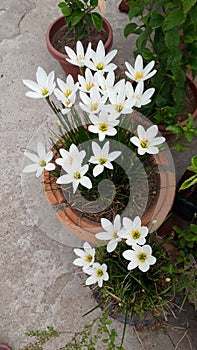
132, 233
104, 100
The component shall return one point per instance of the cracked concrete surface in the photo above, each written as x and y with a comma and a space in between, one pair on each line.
39, 286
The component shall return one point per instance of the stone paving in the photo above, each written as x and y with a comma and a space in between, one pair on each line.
39, 286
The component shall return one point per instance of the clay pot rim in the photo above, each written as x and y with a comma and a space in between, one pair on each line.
61, 20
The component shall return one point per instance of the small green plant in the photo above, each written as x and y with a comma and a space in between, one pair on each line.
192, 180
95, 333
166, 33
80, 17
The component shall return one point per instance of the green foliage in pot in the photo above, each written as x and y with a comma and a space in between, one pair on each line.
80, 16
192, 180
166, 32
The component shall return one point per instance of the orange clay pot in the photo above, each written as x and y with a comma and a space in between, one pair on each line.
60, 57
86, 229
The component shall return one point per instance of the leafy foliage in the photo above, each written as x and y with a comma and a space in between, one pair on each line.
79, 15
166, 32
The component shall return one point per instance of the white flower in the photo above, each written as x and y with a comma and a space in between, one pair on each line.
75, 175
68, 102
67, 92
42, 161
86, 256
98, 273
44, 86
78, 59
93, 103
133, 232
105, 83
103, 125
139, 257
146, 140
69, 156
119, 103
87, 83
111, 233
102, 158
141, 98
99, 61
138, 73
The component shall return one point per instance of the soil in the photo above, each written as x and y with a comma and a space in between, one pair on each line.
65, 37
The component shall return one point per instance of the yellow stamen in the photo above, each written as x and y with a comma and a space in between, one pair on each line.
135, 234
115, 235
94, 106
42, 163
79, 58
100, 66
99, 273
103, 126
77, 175
119, 108
139, 75
89, 86
68, 93
102, 160
144, 143
88, 258
45, 92
141, 257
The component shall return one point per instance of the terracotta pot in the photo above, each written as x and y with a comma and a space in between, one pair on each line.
60, 57
193, 88
86, 229
4, 347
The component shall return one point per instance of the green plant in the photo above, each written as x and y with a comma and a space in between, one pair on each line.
93, 334
166, 33
192, 180
80, 16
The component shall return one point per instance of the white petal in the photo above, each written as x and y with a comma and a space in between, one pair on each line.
41, 150
91, 280
50, 167
64, 179
98, 169
32, 157
30, 168
86, 182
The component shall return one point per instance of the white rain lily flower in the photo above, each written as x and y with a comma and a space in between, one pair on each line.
140, 257
111, 233
133, 232
86, 256
93, 103
75, 175
69, 156
41, 160
105, 83
100, 62
103, 125
44, 87
102, 158
138, 73
98, 273
68, 102
119, 103
87, 83
141, 98
79, 58
146, 140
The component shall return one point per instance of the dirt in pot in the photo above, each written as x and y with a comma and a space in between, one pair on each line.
65, 37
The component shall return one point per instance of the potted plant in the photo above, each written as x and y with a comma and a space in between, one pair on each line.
113, 171
79, 21
166, 33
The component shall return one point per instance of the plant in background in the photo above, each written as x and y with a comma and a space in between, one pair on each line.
166, 33
192, 180
81, 17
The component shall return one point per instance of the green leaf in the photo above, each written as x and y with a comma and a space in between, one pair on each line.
174, 19
134, 12
97, 20
180, 147
76, 18
156, 20
194, 163
66, 11
189, 182
142, 39
129, 29
193, 228
187, 5
172, 39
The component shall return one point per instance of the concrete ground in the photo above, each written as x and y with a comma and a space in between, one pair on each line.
39, 286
